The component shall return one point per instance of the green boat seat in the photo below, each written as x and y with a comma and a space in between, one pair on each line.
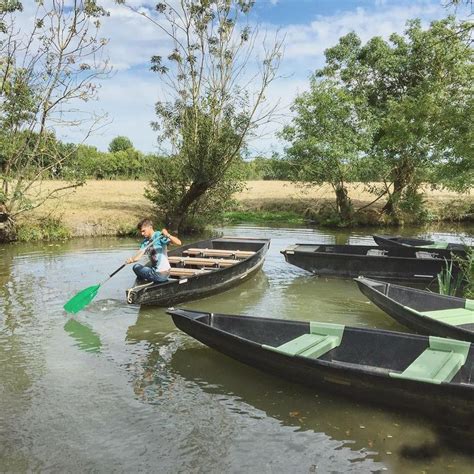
438, 245
469, 304
454, 316
322, 338
440, 362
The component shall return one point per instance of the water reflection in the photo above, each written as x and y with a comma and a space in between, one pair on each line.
120, 389
86, 339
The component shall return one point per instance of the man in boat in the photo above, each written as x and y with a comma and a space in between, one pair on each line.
154, 245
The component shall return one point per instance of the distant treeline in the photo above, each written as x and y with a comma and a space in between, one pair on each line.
123, 161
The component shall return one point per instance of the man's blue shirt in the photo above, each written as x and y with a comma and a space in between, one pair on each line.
157, 248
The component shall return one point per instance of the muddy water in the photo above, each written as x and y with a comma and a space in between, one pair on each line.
120, 389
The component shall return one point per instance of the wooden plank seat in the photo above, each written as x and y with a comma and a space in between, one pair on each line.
187, 272
219, 253
219, 262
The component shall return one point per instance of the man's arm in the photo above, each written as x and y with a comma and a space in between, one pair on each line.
173, 240
136, 257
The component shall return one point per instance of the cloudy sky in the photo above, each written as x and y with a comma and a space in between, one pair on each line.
309, 26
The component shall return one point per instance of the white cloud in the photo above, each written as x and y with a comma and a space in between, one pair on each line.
129, 96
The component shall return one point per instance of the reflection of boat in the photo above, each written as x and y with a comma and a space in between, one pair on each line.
430, 376
203, 268
410, 264
397, 241
423, 311
85, 337
298, 406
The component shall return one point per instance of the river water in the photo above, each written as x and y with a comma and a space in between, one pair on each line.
118, 388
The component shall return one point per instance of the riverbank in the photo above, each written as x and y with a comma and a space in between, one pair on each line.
113, 207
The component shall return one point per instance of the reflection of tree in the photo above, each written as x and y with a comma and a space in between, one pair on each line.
21, 361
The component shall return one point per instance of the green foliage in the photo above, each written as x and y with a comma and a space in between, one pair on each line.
282, 217
418, 90
448, 283
330, 132
466, 265
209, 115
272, 169
120, 143
124, 164
41, 72
47, 228
172, 188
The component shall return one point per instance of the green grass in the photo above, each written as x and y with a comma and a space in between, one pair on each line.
284, 217
46, 228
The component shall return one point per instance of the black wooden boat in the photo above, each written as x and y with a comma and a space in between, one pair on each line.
422, 311
203, 268
404, 264
429, 375
397, 241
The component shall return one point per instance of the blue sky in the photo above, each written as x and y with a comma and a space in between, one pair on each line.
310, 26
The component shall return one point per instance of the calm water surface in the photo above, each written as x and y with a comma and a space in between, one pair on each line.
118, 388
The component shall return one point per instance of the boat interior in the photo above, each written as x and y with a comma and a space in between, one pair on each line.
433, 360
446, 309
373, 251
211, 255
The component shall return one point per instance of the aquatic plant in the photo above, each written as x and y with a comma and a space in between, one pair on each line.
448, 284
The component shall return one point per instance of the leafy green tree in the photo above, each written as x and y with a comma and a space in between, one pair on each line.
120, 143
215, 103
418, 88
45, 67
330, 131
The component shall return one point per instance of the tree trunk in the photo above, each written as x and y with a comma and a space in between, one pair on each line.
176, 219
7, 227
343, 202
403, 177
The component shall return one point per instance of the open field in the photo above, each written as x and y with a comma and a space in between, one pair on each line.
105, 207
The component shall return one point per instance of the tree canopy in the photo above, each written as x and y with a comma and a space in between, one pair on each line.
412, 99
215, 102
120, 143
47, 68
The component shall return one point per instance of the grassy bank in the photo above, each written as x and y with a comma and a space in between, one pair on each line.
114, 207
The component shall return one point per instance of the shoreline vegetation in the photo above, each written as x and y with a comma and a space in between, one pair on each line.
106, 208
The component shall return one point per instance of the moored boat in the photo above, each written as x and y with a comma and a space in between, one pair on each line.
397, 241
403, 264
203, 268
422, 311
428, 375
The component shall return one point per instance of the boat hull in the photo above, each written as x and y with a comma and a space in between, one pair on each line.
347, 261
446, 404
402, 313
395, 241
205, 284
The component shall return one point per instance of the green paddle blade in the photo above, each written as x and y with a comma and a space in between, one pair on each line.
82, 299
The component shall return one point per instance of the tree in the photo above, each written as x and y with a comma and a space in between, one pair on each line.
45, 72
418, 88
216, 102
330, 131
120, 143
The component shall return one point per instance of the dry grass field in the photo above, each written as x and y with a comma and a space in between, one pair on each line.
103, 207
